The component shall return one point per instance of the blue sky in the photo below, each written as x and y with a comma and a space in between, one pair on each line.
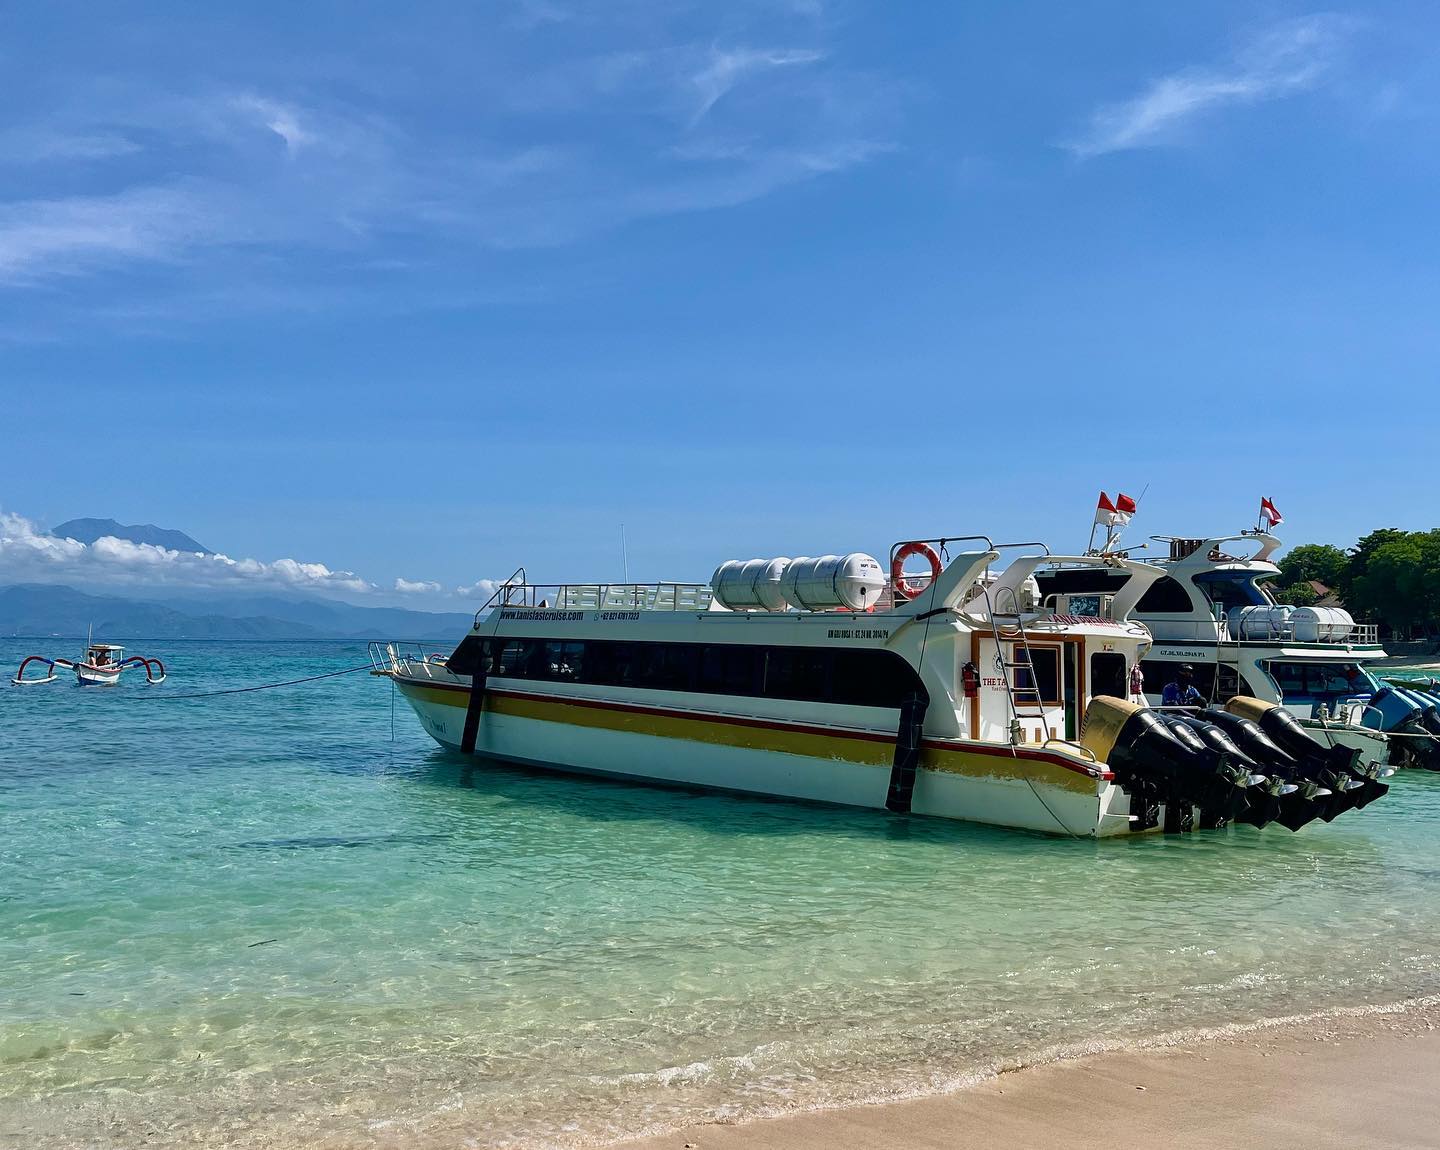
427, 292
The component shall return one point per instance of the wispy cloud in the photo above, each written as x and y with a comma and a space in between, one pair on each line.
725, 69
279, 118
42, 145
81, 233
1282, 60
417, 587
247, 191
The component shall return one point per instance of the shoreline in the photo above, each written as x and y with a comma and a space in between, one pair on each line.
1353, 1077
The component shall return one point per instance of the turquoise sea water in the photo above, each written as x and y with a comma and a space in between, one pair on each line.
256, 920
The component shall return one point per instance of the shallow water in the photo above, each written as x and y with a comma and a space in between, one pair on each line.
257, 920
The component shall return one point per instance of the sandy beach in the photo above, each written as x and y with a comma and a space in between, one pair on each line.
1364, 1080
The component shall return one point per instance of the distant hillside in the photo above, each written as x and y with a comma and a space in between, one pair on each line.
42, 609
34, 609
89, 530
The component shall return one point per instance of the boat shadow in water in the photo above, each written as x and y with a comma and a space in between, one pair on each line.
599, 799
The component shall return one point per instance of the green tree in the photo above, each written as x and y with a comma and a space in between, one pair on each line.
1357, 563
1322, 562
1399, 579
1296, 595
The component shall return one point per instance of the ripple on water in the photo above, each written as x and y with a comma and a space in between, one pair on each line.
256, 918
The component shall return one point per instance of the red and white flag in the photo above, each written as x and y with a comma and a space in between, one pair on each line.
1115, 514
1269, 514
1104, 511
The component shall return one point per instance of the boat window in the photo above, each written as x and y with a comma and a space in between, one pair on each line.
797, 673
1307, 680
872, 679
664, 666
1167, 594
564, 661
1081, 580
1219, 688
1107, 675
514, 658
464, 658
1039, 682
610, 663
1231, 589
864, 678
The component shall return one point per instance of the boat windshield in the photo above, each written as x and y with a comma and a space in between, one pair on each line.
1317, 680
1232, 589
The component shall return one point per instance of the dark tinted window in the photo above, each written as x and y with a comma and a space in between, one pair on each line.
564, 661
797, 673
871, 679
865, 678
1107, 675
1165, 595
464, 658
730, 670
1157, 674
1079, 580
1039, 682
665, 666
1319, 680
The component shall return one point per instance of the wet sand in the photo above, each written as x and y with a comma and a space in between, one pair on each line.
1367, 1082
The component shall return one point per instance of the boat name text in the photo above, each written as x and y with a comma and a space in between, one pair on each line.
857, 633
548, 616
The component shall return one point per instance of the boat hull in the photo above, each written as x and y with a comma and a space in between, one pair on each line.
88, 678
1021, 788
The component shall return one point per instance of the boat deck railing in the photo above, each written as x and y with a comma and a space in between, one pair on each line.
599, 597
1218, 630
390, 658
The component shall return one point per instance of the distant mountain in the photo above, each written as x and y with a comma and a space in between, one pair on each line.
43, 609
89, 530
37, 609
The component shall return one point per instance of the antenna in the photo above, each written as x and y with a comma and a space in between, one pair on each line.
624, 555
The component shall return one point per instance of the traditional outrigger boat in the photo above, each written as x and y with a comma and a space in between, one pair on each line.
958, 693
101, 666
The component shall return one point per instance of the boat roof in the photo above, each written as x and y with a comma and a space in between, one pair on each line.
105, 647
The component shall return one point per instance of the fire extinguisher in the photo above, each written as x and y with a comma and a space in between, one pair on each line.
970, 680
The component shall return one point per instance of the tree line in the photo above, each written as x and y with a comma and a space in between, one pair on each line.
1390, 577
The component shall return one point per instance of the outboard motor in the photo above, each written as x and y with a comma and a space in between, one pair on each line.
1399, 712
1429, 710
1151, 762
1312, 798
1335, 767
1281, 796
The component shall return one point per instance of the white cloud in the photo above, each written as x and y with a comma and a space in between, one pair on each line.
29, 555
417, 587
481, 590
1285, 59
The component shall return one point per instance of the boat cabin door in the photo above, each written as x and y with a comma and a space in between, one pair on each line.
1070, 691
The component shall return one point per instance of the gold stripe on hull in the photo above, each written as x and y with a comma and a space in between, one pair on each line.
765, 735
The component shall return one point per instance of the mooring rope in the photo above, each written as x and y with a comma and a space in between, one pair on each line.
259, 687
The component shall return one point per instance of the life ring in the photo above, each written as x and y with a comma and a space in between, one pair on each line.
898, 582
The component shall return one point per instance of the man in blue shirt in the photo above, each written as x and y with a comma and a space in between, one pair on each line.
1181, 692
